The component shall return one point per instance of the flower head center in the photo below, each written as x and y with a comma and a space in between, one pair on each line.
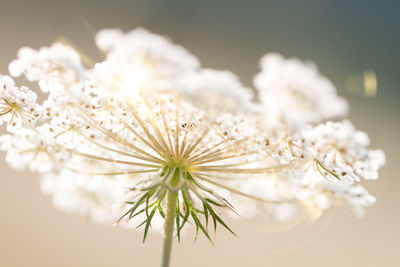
179, 163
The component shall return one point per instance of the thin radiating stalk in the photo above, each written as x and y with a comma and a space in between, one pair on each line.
244, 194
169, 228
113, 136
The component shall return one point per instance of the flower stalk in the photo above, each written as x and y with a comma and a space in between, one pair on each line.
169, 228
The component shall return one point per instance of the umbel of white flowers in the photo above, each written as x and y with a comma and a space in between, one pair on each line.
148, 137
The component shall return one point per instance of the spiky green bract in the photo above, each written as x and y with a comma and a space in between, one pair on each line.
195, 203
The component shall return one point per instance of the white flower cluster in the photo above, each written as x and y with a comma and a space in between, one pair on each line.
296, 92
115, 138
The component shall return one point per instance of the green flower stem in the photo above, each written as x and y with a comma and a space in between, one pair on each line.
169, 228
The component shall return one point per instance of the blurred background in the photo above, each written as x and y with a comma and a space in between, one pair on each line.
352, 42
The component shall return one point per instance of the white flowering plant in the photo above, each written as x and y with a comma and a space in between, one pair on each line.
148, 138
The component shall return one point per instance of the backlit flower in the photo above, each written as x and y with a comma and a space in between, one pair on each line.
113, 141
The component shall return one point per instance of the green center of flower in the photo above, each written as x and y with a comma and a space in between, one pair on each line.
176, 162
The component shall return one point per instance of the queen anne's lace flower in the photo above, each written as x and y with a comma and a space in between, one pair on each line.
55, 66
341, 152
16, 103
140, 60
113, 141
97, 196
212, 89
296, 92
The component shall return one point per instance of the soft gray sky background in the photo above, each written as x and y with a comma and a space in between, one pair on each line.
341, 37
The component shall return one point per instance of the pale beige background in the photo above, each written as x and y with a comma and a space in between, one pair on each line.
342, 37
